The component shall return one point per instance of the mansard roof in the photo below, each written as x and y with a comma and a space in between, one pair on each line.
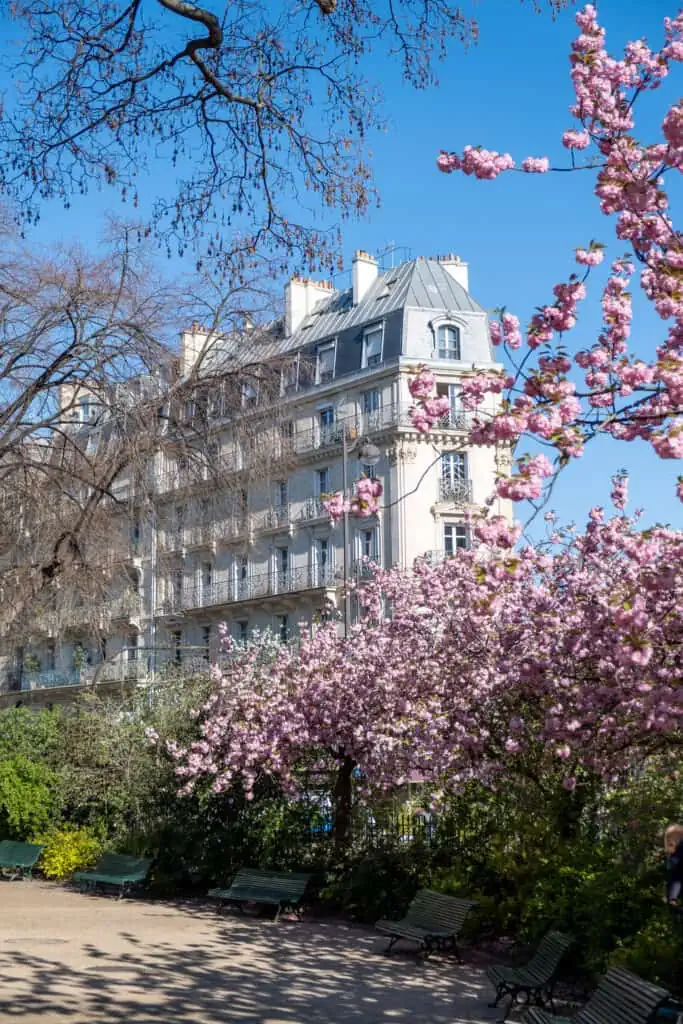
420, 283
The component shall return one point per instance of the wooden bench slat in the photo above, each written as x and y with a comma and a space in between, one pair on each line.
432, 917
116, 869
621, 996
276, 888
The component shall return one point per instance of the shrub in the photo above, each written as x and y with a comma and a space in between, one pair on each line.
68, 850
656, 951
29, 797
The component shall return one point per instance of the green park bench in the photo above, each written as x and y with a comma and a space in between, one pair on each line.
17, 860
282, 890
117, 870
433, 920
534, 980
620, 998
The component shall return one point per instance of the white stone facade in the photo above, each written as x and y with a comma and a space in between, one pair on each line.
274, 560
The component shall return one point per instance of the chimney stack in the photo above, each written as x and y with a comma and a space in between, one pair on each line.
301, 296
364, 274
193, 344
456, 267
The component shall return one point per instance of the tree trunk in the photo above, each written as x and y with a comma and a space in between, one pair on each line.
343, 800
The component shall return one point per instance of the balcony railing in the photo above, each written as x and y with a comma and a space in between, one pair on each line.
126, 607
456, 419
261, 585
271, 518
459, 492
314, 508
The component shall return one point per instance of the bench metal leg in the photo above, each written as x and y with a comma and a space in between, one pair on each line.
501, 990
392, 942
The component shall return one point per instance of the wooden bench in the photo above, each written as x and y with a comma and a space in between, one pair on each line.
433, 920
620, 998
116, 870
279, 889
19, 859
534, 980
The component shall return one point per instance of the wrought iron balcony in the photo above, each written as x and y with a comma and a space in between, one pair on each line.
272, 518
459, 492
456, 419
260, 585
314, 508
127, 607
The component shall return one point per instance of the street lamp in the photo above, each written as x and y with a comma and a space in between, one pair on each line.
370, 454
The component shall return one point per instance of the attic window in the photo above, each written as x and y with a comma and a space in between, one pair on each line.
386, 290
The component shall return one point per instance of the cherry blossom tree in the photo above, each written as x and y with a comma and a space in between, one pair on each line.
568, 655
562, 398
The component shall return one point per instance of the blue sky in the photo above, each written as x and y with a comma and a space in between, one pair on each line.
510, 92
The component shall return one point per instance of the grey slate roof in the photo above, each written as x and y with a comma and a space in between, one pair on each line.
419, 283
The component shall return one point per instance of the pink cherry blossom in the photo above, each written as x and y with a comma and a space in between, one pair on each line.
626, 396
590, 257
536, 164
455, 668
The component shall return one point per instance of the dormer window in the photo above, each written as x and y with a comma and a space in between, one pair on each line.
449, 342
290, 377
249, 394
372, 346
325, 366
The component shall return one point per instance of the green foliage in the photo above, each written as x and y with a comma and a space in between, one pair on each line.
29, 797
656, 951
33, 734
68, 850
533, 855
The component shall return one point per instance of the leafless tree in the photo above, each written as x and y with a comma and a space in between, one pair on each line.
263, 110
95, 404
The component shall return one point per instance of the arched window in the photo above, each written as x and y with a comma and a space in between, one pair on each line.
449, 342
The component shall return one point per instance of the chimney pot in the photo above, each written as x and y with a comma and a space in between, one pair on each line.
364, 273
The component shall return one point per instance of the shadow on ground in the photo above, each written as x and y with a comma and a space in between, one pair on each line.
96, 961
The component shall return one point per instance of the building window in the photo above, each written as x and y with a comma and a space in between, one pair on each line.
133, 647
207, 576
455, 537
206, 643
177, 646
85, 409
369, 471
372, 346
282, 564
283, 628
177, 588
322, 481
456, 417
322, 560
281, 493
50, 658
325, 365
449, 342
242, 575
249, 394
454, 483
326, 417
290, 377
368, 544
242, 628
370, 400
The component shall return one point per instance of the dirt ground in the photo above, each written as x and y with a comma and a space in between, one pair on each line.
78, 959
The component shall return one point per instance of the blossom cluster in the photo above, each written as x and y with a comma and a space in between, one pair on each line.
572, 652
622, 395
363, 503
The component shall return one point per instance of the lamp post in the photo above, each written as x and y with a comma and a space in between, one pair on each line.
370, 455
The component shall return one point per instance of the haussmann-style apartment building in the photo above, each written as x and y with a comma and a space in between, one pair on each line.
265, 555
